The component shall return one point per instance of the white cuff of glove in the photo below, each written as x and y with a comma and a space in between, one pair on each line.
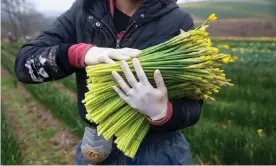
162, 115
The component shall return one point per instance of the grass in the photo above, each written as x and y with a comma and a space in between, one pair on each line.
227, 131
60, 104
70, 83
10, 151
33, 126
229, 144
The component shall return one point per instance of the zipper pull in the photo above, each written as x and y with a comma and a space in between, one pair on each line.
118, 43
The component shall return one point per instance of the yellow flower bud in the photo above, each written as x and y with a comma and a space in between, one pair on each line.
193, 32
208, 57
205, 34
227, 47
260, 132
208, 49
209, 42
205, 81
212, 17
215, 50
226, 59
205, 96
200, 41
198, 90
215, 90
230, 84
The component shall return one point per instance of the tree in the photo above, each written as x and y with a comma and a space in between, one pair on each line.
21, 15
13, 8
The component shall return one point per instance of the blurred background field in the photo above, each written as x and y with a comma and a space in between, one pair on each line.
229, 9
40, 123
236, 17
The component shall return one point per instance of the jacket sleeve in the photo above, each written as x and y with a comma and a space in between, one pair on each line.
185, 112
45, 58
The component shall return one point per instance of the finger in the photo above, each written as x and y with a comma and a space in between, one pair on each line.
129, 75
121, 82
107, 60
122, 95
139, 71
117, 55
159, 80
130, 52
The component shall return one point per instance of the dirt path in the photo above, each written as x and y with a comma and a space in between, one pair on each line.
45, 140
244, 27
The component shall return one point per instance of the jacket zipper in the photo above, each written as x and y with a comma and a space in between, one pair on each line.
118, 41
111, 32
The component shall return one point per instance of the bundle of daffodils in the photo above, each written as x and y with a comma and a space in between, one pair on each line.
190, 67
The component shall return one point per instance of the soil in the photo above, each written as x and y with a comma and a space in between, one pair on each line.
44, 139
244, 27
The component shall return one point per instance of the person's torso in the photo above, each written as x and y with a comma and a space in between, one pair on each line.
157, 21
154, 22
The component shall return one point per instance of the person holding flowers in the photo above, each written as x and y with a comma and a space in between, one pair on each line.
92, 32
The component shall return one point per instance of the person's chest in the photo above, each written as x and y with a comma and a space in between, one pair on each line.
102, 32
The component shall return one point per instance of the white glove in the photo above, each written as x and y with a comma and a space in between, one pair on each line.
96, 55
142, 97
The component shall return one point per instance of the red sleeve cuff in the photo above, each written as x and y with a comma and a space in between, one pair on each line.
76, 54
165, 119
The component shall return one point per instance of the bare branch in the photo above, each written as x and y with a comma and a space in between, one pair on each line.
19, 13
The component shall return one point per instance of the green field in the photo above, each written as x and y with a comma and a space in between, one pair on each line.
227, 132
232, 8
10, 153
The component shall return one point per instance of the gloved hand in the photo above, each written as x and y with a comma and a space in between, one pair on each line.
96, 55
141, 95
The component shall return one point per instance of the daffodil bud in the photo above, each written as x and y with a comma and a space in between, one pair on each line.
205, 96
215, 50
212, 17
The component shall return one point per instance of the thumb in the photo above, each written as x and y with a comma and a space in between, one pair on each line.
107, 60
130, 52
159, 81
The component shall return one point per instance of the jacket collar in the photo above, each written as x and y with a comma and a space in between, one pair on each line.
148, 11
153, 9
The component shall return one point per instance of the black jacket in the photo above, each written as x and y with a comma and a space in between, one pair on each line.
89, 21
